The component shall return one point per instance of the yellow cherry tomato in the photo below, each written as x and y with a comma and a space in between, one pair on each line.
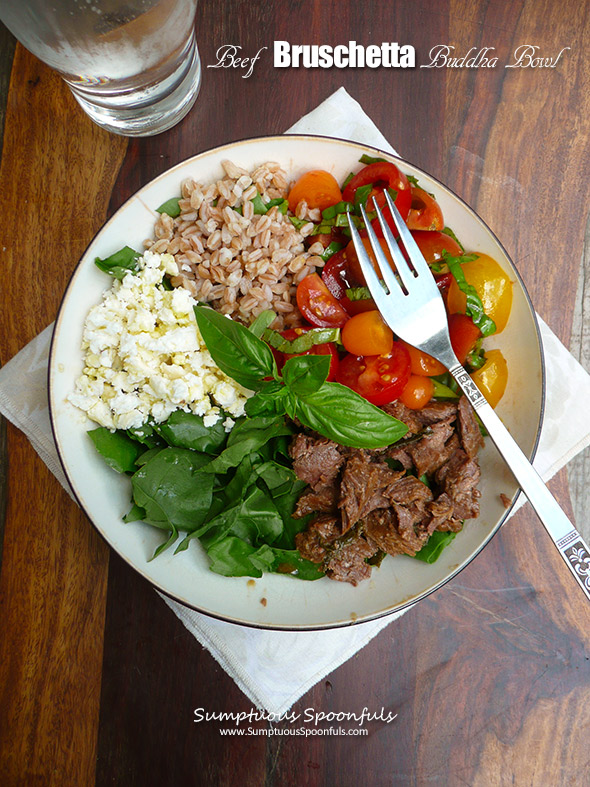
418, 392
493, 286
318, 188
491, 379
367, 334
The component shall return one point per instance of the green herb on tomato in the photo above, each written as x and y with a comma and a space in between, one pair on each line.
474, 306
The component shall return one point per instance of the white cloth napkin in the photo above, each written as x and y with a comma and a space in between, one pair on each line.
274, 669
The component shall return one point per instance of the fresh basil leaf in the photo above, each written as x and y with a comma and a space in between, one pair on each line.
259, 207
474, 306
442, 391
347, 180
303, 342
280, 203
172, 490
269, 400
117, 449
298, 223
304, 374
342, 415
262, 322
333, 210
331, 249
366, 159
187, 430
432, 549
120, 263
361, 196
358, 294
238, 352
171, 207
448, 231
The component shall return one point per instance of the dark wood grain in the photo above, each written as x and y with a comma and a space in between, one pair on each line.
490, 676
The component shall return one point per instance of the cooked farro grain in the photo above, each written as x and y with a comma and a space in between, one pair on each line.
240, 262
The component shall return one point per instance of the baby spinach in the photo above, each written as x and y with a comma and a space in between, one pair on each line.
432, 549
117, 449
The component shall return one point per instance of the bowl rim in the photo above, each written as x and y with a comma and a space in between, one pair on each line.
402, 607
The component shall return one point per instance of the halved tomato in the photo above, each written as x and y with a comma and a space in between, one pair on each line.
378, 378
464, 334
318, 188
433, 243
383, 175
425, 212
317, 304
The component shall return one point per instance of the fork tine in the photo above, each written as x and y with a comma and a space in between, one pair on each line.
379, 295
387, 273
404, 271
414, 253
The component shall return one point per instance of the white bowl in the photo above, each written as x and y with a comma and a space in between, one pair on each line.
278, 601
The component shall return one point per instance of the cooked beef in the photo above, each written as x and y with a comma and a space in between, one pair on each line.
364, 487
315, 460
394, 530
469, 433
459, 478
322, 502
366, 507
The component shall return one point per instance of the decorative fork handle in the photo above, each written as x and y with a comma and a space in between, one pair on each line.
569, 542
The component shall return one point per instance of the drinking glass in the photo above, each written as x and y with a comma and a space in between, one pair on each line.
133, 65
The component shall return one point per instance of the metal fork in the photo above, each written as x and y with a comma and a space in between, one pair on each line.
412, 305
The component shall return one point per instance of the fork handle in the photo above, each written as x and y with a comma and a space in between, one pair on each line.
569, 542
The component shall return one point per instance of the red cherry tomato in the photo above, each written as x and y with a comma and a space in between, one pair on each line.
328, 348
318, 305
464, 334
383, 175
334, 276
432, 244
378, 378
425, 212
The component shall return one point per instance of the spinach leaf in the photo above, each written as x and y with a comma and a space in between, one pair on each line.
145, 434
171, 489
187, 430
233, 557
120, 263
171, 207
432, 549
342, 415
117, 449
305, 374
248, 436
289, 561
238, 352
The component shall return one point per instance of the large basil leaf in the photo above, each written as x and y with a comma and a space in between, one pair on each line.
342, 415
238, 352
304, 374
120, 263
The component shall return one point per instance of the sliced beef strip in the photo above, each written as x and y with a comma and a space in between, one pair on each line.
347, 563
437, 411
402, 413
443, 514
469, 434
320, 533
317, 461
364, 487
394, 530
323, 502
409, 490
459, 478
433, 450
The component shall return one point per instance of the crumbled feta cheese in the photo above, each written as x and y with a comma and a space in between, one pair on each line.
145, 357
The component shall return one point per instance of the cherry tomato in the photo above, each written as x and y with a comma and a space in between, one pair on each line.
318, 305
335, 277
383, 175
353, 265
492, 285
491, 379
367, 334
378, 378
423, 364
464, 334
425, 212
328, 348
433, 243
318, 188
418, 392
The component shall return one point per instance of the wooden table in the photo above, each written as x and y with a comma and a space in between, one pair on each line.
490, 676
